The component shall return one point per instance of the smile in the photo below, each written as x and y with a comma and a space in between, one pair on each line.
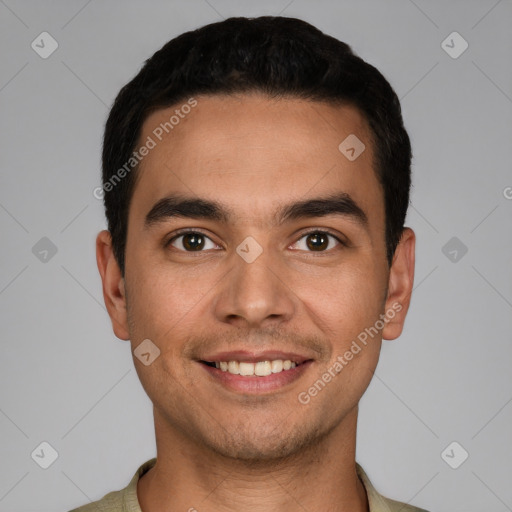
260, 368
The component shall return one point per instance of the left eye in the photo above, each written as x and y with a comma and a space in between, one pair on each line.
317, 241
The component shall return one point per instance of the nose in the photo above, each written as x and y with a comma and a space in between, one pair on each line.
255, 294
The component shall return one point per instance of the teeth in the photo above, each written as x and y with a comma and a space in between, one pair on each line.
261, 368
246, 368
233, 367
277, 366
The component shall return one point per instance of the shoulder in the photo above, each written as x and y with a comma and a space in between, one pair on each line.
397, 506
111, 502
124, 500
379, 503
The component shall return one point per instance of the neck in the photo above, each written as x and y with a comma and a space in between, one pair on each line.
193, 478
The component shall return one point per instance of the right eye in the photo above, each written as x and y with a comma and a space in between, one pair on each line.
191, 241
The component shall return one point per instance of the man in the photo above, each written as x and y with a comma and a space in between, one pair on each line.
256, 179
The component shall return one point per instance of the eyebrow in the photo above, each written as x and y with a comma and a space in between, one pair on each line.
173, 206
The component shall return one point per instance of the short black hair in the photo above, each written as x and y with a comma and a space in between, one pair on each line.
274, 55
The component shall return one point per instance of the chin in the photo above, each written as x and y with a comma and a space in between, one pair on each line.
253, 447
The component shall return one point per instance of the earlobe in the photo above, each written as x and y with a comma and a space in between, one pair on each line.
114, 293
401, 280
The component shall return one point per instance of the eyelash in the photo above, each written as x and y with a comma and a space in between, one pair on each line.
180, 233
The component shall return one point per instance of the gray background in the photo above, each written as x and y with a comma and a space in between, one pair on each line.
65, 378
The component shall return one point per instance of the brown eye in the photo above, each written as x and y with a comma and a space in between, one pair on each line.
191, 241
317, 241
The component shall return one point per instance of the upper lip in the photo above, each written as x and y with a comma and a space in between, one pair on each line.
255, 357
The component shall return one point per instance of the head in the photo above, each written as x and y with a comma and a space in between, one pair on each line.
235, 132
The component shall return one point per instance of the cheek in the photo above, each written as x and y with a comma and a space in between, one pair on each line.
345, 309
344, 303
162, 296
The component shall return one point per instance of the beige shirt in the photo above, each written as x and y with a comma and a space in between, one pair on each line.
126, 500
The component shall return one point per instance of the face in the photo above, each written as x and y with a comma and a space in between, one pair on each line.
254, 243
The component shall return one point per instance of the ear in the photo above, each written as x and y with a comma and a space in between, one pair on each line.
401, 280
113, 285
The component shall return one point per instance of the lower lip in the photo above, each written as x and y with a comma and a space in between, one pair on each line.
254, 384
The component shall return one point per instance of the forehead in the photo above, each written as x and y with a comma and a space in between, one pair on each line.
252, 152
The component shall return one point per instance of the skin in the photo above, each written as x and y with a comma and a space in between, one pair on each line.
221, 450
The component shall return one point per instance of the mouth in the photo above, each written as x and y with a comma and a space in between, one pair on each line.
251, 373
249, 369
